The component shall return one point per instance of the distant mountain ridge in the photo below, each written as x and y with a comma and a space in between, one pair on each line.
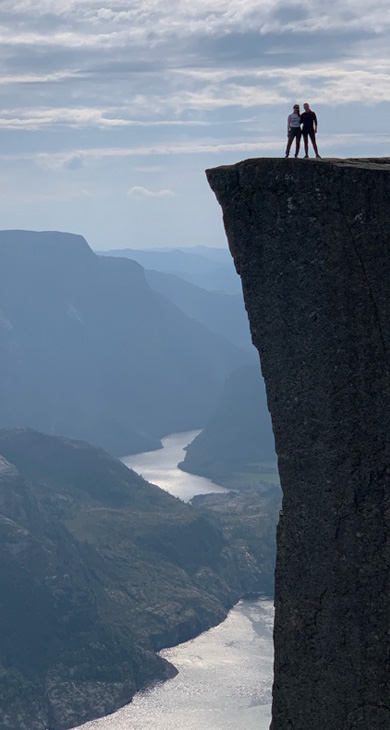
221, 312
195, 260
89, 350
209, 268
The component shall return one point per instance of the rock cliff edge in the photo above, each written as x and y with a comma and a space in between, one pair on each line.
311, 242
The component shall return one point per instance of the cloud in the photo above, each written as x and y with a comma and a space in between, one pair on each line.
139, 191
74, 163
157, 27
267, 144
42, 117
40, 78
97, 95
60, 160
79, 117
210, 17
178, 63
207, 98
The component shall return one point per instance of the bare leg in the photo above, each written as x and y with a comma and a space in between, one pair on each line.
306, 143
314, 143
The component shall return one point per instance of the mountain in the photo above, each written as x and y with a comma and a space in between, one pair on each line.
209, 268
196, 260
98, 571
220, 255
219, 311
237, 443
222, 279
89, 350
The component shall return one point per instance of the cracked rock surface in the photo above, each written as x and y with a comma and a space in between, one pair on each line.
311, 242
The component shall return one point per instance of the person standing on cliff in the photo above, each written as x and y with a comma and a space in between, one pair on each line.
309, 129
294, 130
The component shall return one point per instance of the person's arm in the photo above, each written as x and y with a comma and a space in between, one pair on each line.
288, 124
315, 122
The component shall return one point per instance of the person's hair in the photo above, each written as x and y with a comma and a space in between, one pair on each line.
296, 106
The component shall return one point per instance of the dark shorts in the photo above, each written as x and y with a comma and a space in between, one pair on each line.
294, 132
309, 133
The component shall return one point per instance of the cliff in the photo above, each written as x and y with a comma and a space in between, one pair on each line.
310, 241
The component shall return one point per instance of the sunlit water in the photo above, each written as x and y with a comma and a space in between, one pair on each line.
224, 680
225, 675
160, 467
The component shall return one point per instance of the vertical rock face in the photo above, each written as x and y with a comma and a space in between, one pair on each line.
311, 242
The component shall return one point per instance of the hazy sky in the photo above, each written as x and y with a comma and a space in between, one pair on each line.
111, 111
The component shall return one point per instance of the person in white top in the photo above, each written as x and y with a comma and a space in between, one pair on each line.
294, 130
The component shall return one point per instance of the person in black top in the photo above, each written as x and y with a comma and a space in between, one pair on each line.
309, 129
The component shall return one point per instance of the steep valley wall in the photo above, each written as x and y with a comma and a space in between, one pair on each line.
311, 242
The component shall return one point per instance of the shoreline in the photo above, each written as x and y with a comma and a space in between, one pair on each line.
260, 595
183, 632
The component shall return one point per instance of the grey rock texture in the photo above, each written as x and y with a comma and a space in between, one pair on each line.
311, 242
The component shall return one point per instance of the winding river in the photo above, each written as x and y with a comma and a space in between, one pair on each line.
160, 467
225, 674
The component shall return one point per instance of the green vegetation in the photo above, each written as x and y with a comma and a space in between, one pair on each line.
264, 472
236, 447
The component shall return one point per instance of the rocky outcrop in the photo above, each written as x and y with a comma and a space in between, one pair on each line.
311, 242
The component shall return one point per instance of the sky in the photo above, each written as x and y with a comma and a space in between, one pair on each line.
111, 111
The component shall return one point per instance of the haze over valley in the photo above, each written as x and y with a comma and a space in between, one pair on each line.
97, 351
91, 351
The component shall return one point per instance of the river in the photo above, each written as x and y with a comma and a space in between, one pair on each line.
225, 674
224, 680
160, 467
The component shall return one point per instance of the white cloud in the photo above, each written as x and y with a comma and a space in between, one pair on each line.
78, 117
86, 23
191, 98
60, 160
39, 78
139, 191
268, 144
91, 89
108, 42
49, 116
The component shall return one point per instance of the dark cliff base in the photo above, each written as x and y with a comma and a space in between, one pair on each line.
311, 242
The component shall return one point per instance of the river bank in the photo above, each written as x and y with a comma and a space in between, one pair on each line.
160, 467
225, 674
224, 680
